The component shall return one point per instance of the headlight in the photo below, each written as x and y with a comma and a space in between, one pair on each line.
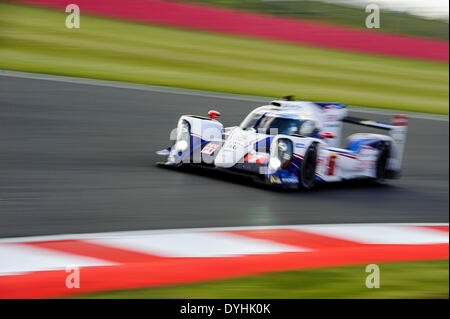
183, 136
284, 152
274, 163
181, 145
183, 129
282, 146
281, 155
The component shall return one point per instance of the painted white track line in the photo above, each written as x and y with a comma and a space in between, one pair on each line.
17, 259
227, 96
201, 244
382, 234
138, 233
153, 258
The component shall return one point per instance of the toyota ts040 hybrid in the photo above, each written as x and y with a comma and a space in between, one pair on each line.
294, 144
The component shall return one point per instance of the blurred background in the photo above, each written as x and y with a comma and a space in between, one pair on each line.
77, 154
203, 45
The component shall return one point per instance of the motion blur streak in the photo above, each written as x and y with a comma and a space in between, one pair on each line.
234, 22
80, 158
223, 253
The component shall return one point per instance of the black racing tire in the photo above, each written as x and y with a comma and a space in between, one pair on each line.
307, 178
382, 162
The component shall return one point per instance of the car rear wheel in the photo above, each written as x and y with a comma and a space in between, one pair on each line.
308, 170
382, 161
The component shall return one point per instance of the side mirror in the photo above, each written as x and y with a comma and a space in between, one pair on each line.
213, 114
327, 135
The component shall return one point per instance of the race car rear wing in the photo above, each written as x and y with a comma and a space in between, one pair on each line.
397, 129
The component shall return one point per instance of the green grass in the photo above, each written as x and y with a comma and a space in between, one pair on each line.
36, 40
397, 280
339, 14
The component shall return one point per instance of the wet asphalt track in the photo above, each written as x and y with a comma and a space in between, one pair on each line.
80, 158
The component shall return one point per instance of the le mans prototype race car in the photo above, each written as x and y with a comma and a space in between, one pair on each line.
294, 144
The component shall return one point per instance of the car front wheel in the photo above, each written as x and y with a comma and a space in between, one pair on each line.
308, 169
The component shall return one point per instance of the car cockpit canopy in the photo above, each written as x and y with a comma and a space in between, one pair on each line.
278, 123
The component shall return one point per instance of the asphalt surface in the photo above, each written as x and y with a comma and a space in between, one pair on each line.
78, 158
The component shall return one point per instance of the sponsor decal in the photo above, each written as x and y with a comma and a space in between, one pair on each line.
332, 117
331, 164
367, 158
235, 143
290, 180
210, 148
256, 158
299, 145
369, 164
275, 180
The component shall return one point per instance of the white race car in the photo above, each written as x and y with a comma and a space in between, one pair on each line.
294, 144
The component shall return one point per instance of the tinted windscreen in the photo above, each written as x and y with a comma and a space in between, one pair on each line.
277, 125
250, 121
